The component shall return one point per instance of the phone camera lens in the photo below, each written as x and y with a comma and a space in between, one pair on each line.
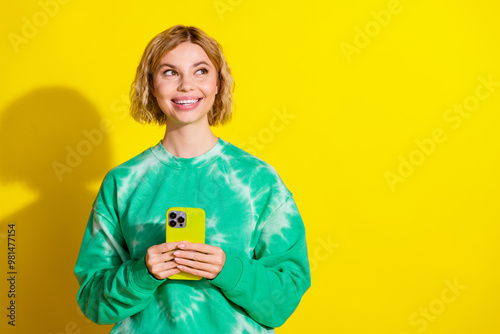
180, 219
172, 223
172, 215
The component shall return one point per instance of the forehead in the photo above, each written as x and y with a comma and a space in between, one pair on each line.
186, 52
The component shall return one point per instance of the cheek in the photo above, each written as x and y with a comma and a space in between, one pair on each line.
163, 89
211, 86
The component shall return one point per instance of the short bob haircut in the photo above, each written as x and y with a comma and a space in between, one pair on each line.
145, 108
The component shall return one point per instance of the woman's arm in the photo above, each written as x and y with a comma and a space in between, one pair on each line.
112, 286
270, 286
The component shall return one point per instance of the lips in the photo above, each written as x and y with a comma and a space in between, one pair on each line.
186, 100
187, 103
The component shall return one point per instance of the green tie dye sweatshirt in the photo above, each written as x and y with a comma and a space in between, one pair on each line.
250, 214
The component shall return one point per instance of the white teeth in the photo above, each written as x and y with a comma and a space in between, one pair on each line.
186, 102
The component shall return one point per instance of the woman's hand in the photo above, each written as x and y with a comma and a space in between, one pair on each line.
199, 259
160, 261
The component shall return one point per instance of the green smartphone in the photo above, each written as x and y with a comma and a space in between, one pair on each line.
185, 224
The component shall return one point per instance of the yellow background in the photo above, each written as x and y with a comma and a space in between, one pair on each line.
383, 255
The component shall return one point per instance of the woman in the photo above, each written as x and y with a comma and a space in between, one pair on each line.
253, 265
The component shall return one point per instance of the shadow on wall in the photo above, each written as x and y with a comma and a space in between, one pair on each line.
50, 141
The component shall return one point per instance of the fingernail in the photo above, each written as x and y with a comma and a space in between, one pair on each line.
177, 253
182, 246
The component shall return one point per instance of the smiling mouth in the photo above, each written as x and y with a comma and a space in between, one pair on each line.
186, 102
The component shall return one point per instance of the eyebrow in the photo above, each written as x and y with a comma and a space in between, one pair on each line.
194, 65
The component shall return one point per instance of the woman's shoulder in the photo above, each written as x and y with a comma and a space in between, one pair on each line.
247, 165
238, 157
138, 164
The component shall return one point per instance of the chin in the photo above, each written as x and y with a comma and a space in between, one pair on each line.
188, 120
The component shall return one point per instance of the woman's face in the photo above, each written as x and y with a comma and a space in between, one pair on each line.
185, 84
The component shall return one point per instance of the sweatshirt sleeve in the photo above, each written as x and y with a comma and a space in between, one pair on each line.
270, 286
112, 285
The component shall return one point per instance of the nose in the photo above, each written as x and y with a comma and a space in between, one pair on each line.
185, 83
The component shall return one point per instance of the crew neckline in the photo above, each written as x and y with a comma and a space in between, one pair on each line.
173, 161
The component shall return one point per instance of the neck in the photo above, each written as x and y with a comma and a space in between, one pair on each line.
188, 141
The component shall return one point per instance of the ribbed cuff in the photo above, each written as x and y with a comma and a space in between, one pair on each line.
142, 280
230, 274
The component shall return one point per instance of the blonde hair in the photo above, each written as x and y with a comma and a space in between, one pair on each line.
145, 108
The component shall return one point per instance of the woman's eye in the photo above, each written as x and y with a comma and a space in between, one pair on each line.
167, 72
202, 69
